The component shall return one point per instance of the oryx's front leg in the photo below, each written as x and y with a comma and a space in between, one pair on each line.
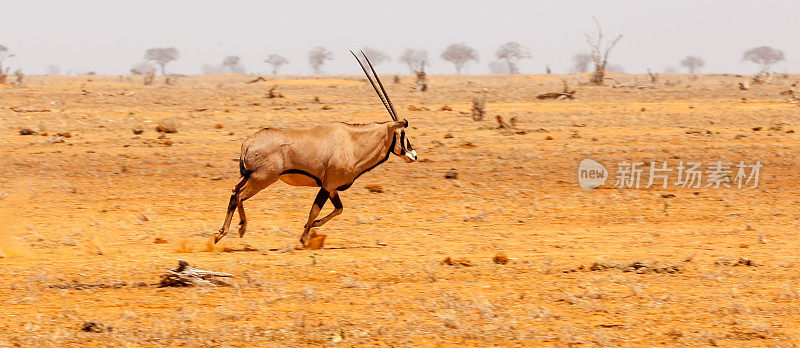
337, 204
319, 202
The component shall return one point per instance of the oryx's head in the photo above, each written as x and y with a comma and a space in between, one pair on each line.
402, 145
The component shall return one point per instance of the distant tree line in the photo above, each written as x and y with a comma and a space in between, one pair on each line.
507, 55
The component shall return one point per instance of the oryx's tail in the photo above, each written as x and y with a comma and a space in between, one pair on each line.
243, 171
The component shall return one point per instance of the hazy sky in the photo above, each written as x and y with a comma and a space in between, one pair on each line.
108, 37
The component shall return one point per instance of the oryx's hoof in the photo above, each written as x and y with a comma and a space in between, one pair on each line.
219, 236
242, 230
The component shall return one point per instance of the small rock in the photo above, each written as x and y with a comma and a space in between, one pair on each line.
451, 174
218, 126
137, 130
26, 131
65, 134
548, 138
159, 240
374, 188
756, 129
447, 108
448, 136
467, 145
500, 258
92, 326
167, 126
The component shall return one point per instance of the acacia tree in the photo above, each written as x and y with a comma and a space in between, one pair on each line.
276, 61
580, 62
414, 58
512, 52
459, 54
600, 54
317, 57
162, 56
234, 64
376, 56
764, 56
693, 63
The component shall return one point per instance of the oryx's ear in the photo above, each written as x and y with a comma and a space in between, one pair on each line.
393, 126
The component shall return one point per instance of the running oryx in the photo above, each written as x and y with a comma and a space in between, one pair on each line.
329, 156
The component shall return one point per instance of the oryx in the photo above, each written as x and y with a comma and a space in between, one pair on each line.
329, 156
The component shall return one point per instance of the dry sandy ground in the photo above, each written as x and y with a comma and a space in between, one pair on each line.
89, 224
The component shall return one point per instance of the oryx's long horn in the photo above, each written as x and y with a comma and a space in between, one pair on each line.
386, 102
394, 112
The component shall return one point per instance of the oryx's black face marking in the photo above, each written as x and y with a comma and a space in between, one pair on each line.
402, 147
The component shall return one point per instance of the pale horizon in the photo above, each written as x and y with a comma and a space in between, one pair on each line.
109, 38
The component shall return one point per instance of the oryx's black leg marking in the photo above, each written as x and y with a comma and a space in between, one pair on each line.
233, 202
319, 202
337, 202
337, 209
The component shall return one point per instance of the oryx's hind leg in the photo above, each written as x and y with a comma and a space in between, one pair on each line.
319, 202
247, 188
242, 220
337, 205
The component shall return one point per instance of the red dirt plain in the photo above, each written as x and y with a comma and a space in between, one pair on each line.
88, 225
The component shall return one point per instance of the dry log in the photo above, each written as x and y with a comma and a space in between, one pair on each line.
19, 109
186, 275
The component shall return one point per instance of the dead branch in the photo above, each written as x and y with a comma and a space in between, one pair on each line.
653, 77
260, 78
599, 56
565, 93
272, 94
19, 109
502, 124
186, 275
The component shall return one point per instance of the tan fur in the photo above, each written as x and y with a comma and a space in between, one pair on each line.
334, 153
